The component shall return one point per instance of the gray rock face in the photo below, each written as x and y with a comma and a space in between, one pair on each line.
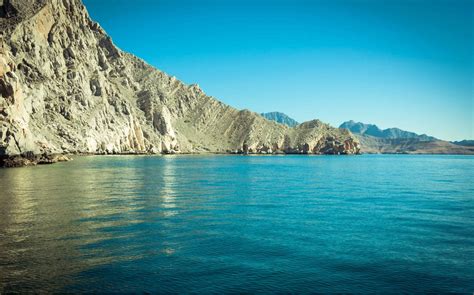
66, 88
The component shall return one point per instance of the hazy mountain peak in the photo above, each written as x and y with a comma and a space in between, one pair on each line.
464, 142
280, 118
389, 133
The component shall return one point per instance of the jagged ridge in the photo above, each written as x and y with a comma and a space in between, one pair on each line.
66, 88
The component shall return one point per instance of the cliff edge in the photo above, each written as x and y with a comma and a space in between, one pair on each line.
66, 88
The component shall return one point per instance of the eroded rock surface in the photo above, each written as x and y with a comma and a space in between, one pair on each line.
66, 88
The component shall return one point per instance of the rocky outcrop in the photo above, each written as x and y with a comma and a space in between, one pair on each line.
66, 88
30, 159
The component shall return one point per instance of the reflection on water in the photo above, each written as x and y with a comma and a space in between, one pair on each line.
234, 224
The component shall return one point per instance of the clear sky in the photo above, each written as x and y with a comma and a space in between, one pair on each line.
404, 63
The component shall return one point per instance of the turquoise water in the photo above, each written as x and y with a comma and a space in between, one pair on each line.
239, 224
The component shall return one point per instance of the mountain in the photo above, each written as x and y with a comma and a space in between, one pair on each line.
390, 133
374, 145
66, 88
280, 118
464, 142
396, 141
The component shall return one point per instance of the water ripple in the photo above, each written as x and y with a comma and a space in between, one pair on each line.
232, 224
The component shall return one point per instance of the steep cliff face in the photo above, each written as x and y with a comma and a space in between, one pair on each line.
66, 88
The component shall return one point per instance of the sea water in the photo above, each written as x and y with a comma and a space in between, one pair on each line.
258, 224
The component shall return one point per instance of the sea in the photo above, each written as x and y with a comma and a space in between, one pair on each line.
239, 224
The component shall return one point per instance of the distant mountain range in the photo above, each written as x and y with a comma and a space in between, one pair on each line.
397, 141
464, 142
280, 118
390, 133
392, 140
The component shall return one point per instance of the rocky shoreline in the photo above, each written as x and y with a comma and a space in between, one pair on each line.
30, 159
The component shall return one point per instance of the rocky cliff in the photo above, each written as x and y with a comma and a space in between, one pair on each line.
66, 88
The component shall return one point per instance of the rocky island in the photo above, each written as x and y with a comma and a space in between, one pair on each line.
65, 88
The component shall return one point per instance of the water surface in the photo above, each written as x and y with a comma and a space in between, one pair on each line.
239, 224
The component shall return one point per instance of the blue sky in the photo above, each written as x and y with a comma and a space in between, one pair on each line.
404, 63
